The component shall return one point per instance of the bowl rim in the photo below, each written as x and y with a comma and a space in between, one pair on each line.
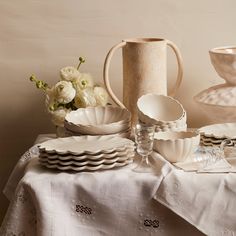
194, 134
216, 50
165, 96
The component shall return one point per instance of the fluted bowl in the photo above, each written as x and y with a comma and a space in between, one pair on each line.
176, 146
98, 120
223, 60
161, 110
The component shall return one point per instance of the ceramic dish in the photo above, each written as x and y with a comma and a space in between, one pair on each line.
224, 59
127, 151
87, 162
98, 120
176, 146
87, 168
78, 145
160, 110
98, 130
219, 131
218, 102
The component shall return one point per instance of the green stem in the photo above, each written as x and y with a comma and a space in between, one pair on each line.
81, 60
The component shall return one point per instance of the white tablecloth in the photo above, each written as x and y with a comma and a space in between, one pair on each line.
118, 201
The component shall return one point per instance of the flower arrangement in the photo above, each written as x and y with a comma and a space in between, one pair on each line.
74, 90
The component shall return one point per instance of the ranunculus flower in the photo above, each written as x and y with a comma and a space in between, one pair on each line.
69, 73
58, 116
85, 98
64, 92
101, 95
85, 80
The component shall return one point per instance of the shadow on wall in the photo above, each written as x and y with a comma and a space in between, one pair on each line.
18, 132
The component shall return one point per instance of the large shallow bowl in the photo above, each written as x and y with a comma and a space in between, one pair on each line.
98, 120
224, 61
160, 110
176, 146
218, 103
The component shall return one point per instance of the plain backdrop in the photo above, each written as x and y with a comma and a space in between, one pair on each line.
40, 37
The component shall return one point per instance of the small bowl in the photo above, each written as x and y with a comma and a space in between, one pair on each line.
224, 61
176, 146
218, 103
160, 110
98, 120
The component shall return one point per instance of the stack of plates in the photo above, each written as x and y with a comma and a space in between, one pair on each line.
107, 120
214, 135
86, 153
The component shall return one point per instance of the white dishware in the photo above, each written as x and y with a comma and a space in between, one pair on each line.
87, 167
77, 145
219, 131
218, 102
224, 60
127, 151
98, 120
176, 146
87, 162
160, 110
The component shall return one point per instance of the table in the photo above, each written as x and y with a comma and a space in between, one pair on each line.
117, 201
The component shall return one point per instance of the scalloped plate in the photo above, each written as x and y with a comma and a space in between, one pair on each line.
78, 145
219, 131
87, 168
87, 162
127, 151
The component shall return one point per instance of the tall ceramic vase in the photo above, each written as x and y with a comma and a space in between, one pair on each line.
144, 70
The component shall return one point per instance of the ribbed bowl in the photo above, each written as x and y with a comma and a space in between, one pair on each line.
176, 146
161, 110
98, 120
224, 61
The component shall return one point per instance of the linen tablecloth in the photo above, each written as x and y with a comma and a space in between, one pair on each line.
112, 202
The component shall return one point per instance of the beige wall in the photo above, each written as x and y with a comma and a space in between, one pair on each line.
42, 36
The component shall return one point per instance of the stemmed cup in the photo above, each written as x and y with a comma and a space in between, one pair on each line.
144, 137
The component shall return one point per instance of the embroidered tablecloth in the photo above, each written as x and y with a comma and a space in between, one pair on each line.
112, 202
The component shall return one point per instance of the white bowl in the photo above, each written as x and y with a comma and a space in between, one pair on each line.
160, 110
224, 61
98, 120
218, 103
176, 146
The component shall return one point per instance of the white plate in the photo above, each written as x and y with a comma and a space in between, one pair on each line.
219, 131
87, 162
86, 157
78, 145
88, 168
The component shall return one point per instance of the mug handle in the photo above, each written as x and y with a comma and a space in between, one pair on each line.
180, 67
106, 74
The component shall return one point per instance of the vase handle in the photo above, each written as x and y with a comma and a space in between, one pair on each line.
180, 67
106, 73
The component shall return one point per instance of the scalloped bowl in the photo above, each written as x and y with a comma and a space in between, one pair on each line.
176, 146
218, 103
98, 120
160, 110
224, 61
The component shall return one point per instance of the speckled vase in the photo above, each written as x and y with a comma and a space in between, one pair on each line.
144, 70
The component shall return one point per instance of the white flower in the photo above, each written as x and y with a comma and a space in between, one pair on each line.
85, 80
85, 98
64, 92
58, 116
101, 95
69, 73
